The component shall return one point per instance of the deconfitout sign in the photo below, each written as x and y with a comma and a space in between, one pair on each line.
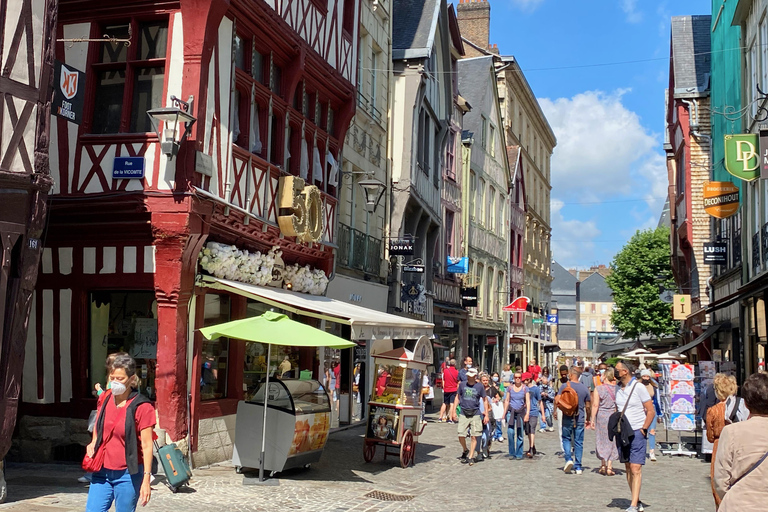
721, 198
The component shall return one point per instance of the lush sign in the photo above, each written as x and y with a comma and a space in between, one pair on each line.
715, 253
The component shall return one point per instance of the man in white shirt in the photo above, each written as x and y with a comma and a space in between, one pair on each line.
640, 413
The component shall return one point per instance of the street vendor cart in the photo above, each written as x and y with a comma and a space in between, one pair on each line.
395, 416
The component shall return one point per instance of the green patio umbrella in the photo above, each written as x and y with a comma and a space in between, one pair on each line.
273, 329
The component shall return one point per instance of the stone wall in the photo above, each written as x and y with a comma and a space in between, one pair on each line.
216, 439
46, 439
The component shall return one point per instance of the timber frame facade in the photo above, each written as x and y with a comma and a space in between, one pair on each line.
271, 84
26, 76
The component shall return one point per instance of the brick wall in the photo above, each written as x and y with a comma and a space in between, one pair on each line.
700, 220
474, 18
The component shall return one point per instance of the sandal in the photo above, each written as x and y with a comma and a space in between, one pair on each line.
603, 470
609, 472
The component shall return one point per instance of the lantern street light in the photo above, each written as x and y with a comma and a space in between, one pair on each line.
373, 190
172, 133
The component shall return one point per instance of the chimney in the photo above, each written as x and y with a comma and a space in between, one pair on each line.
474, 17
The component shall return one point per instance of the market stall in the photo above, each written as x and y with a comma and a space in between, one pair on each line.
395, 408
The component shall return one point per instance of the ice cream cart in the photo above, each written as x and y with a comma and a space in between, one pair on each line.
297, 425
395, 415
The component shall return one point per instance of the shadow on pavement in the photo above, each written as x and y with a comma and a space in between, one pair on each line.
29, 481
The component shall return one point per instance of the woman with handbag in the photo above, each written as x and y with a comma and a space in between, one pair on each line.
120, 454
741, 469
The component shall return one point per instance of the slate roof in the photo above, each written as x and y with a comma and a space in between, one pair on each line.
413, 27
474, 75
691, 56
594, 289
563, 282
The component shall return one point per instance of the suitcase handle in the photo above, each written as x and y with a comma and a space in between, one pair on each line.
167, 457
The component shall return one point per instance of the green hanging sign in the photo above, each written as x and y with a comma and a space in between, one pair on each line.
742, 157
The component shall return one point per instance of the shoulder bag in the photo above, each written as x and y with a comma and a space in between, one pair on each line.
618, 419
95, 463
757, 464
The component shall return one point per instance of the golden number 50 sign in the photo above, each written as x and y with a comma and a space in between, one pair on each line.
300, 209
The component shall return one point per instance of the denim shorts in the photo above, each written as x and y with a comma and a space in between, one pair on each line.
449, 397
635, 452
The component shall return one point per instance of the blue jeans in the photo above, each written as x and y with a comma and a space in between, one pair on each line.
497, 432
652, 437
546, 421
515, 435
109, 485
573, 436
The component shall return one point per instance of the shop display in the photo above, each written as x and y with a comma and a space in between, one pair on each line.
395, 407
297, 425
682, 385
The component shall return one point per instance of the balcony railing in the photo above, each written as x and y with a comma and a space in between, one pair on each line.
359, 251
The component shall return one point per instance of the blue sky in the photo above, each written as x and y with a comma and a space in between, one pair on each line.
608, 120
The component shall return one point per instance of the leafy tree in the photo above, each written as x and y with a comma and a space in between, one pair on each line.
636, 287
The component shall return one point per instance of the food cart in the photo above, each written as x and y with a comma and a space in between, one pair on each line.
297, 426
395, 415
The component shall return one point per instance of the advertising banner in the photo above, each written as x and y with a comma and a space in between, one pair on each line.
469, 297
400, 247
68, 92
457, 265
715, 253
721, 199
682, 393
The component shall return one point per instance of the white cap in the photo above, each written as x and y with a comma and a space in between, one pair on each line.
645, 373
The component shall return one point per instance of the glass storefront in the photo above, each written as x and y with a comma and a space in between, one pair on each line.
215, 353
124, 321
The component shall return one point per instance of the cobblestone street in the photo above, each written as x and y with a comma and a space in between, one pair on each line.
438, 481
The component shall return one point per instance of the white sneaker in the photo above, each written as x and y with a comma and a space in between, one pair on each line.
578, 471
631, 509
652, 456
551, 429
542, 430
568, 467
640, 507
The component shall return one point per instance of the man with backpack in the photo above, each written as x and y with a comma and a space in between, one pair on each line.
572, 399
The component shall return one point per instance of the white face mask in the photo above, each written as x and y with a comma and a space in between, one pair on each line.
495, 379
118, 388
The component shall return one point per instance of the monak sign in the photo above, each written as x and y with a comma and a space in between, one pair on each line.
742, 157
721, 198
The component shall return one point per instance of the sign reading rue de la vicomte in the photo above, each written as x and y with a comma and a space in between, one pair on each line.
128, 168
721, 199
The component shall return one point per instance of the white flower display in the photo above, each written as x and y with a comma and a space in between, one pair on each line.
305, 279
229, 262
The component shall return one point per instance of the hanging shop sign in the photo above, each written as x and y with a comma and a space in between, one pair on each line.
715, 253
681, 307
551, 319
400, 247
742, 158
469, 297
300, 209
519, 305
413, 292
721, 198
128, 168
69, 92
667, 296
457, 265
763, 154
414, 269
536, 321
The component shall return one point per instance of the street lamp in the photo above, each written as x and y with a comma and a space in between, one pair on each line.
171, 136
373, 190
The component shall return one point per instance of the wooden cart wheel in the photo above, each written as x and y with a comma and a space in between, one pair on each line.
407, 449
369, 450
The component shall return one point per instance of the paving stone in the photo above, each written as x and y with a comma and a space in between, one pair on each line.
340, 481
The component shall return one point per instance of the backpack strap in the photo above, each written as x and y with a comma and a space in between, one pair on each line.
734, 417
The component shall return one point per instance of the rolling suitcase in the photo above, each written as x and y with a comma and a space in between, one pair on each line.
176, 469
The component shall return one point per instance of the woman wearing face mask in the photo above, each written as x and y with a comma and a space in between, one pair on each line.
123, 431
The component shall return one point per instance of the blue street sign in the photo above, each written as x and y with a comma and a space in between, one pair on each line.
552, 319
128, 167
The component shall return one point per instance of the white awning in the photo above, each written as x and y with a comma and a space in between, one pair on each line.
366, 323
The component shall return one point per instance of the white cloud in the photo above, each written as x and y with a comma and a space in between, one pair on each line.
599, 142
527, 5
572, 240
630, 9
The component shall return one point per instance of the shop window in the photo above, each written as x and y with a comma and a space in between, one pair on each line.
215, 353
129, 79
124, 322
283, 364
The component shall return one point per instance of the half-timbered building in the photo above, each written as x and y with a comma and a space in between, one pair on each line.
154, 236
27, 30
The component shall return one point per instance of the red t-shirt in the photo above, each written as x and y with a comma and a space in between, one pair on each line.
114, 450
534, 370
450, 379
337, 373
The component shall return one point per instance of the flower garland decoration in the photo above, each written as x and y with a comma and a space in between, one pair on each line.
305, 279
229, 262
